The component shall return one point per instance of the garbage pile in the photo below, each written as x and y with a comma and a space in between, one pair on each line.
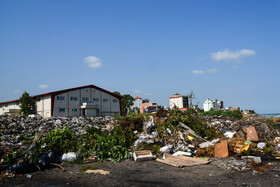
265, 131
14, 130
29, 144
171, 137
240, 142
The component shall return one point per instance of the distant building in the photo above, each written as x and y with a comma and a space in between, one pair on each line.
148, 107
80, 101
233, 108
178, 101
137, 102
213, 104
220, 105
249, 112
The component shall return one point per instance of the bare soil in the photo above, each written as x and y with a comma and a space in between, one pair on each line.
150, 173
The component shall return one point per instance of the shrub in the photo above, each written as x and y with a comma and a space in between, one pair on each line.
234, 113
189, 118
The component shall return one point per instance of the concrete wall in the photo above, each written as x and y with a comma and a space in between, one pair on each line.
6, 108
43, 105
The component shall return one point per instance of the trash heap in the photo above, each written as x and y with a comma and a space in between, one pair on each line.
171, 137
31, 144
228, 142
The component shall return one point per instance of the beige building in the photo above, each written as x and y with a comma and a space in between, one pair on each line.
81, 101
180, 101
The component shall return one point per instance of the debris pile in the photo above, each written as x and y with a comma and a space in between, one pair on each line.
172, 137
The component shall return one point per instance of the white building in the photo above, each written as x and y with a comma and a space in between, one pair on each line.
137, 102
81, 101
213, 104
179, 101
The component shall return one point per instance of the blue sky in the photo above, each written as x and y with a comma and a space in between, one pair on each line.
227, 50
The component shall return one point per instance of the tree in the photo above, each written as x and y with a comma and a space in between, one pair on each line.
127, 102
27, 104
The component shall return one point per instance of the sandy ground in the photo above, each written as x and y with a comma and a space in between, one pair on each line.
149, 173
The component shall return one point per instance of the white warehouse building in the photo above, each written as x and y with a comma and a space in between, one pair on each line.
87, 101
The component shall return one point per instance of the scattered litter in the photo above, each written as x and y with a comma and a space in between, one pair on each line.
165, 149
28, 176
102, 172
251, 134
181, 161
255, 159
261, 145
221, 149
69, 157
229, 134
178, 153
145, 155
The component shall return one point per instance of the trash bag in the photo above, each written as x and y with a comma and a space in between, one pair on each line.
69, 157
44, 161
22, 168
54, 156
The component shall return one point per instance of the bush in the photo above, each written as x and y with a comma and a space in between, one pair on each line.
235, 113
189, 118
64, 140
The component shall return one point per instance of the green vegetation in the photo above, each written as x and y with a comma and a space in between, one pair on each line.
191, 119
234, 113
126, 103
269, 149
105, 146
27, 104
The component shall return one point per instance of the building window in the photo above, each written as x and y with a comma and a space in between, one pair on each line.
61, 109
95, 99
74, 110
105, 100
60, 98
115, 101
74, 98
85, 99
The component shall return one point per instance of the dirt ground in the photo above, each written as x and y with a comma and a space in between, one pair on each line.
150, 173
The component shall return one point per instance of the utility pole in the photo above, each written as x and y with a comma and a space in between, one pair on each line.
191, 96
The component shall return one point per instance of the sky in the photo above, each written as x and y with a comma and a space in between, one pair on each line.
226, 50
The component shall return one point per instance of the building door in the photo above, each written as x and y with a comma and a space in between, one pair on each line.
83, 111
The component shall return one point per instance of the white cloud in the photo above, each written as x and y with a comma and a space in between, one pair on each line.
198, 72
93, 62
17, 91
232, 55
43, 86
212, 70
137, 91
